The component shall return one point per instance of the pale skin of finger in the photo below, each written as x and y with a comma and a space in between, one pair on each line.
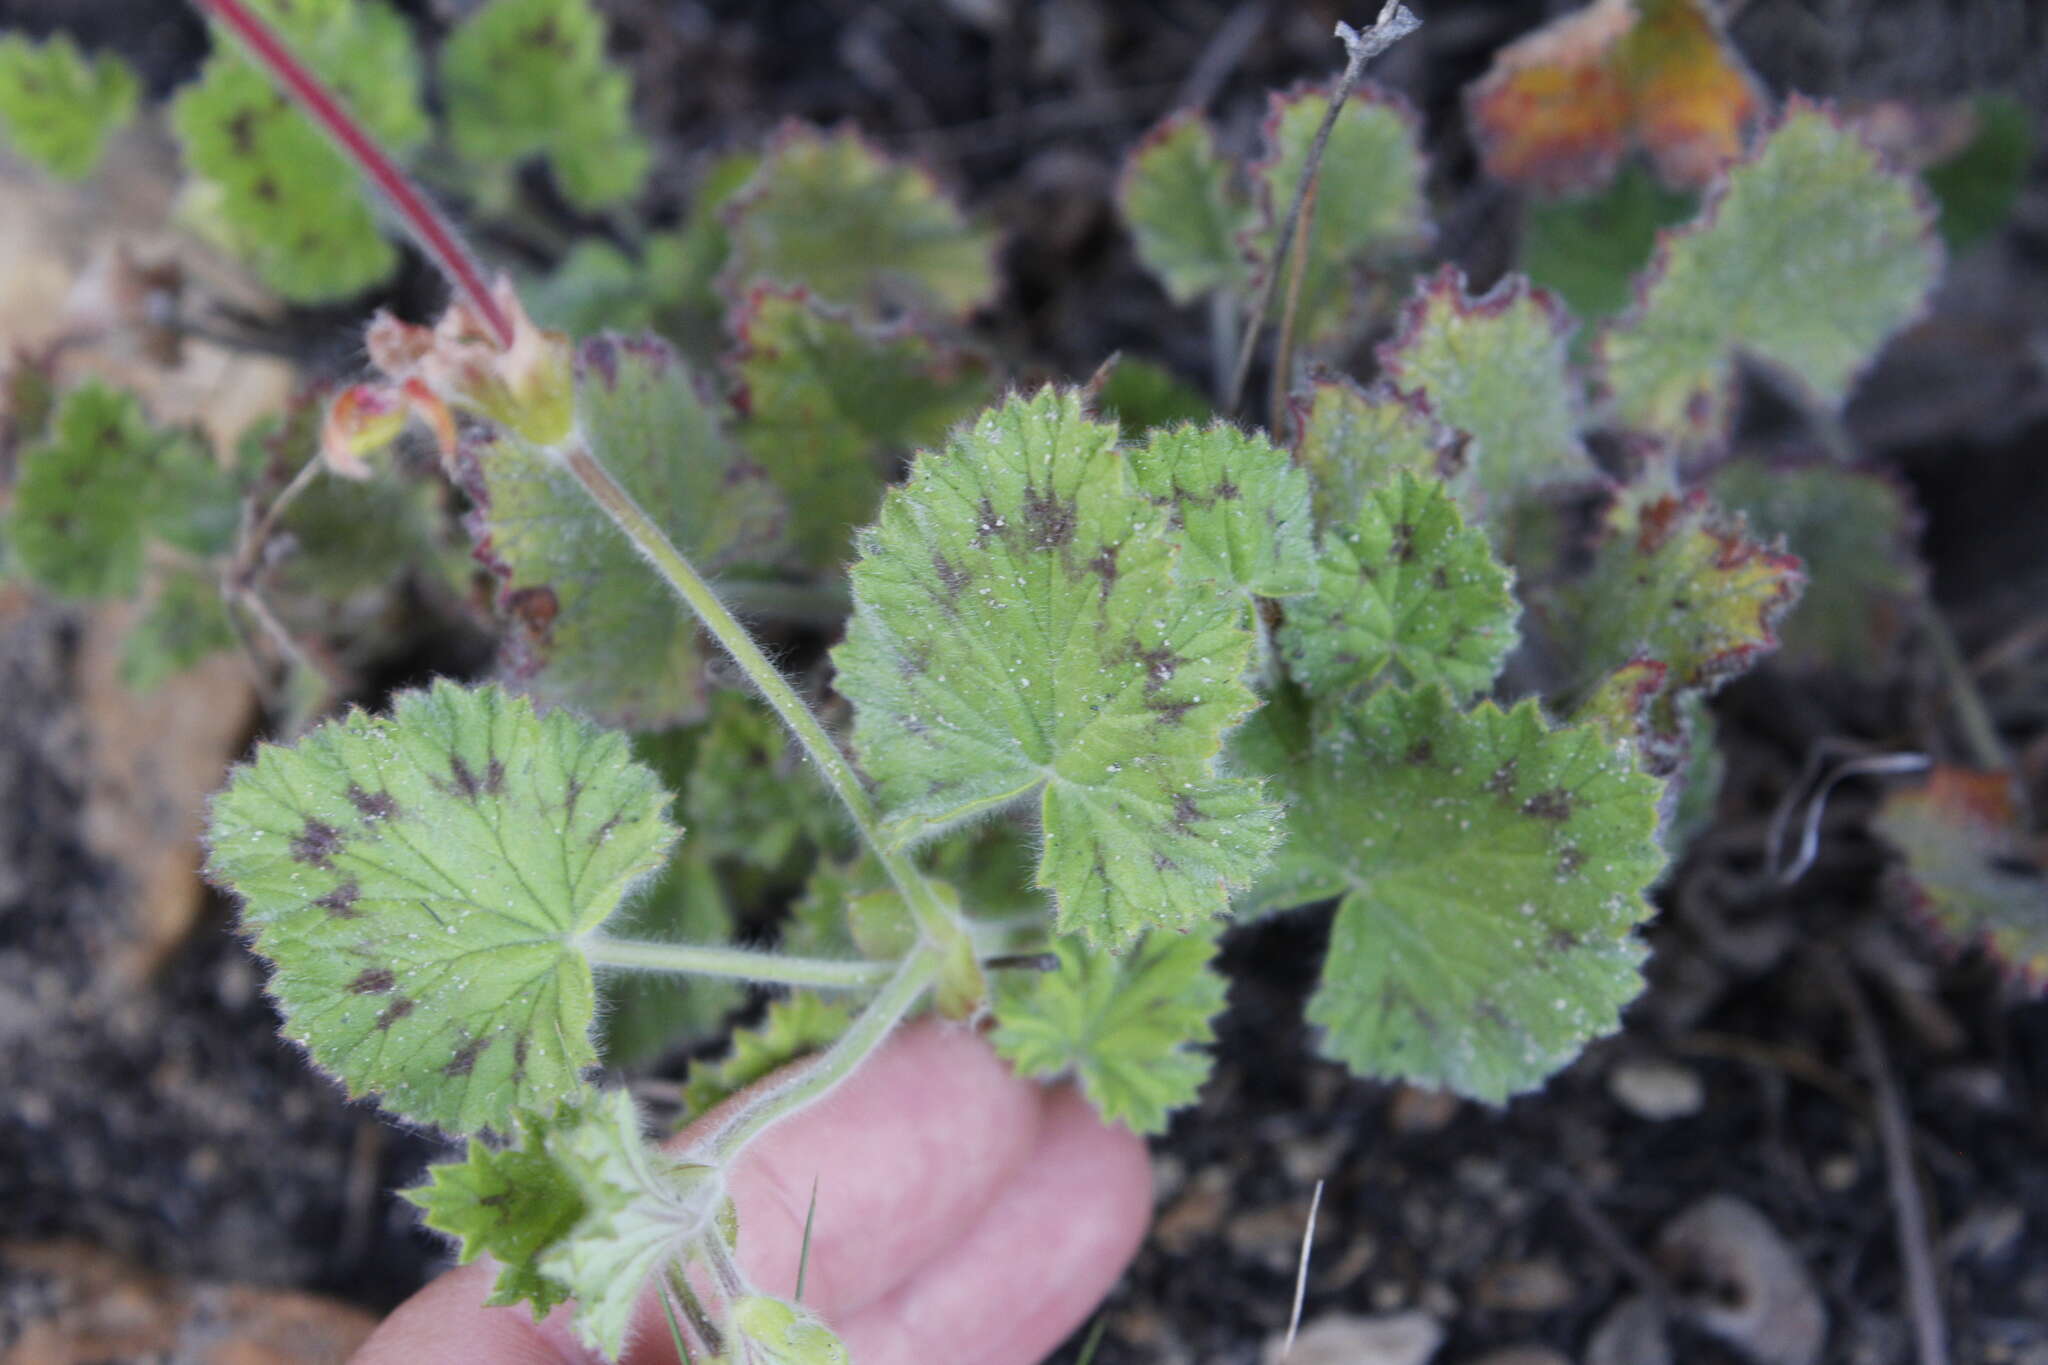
917, 1161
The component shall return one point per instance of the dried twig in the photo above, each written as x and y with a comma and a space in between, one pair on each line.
1909, 1211
1308, 1237
1396, 21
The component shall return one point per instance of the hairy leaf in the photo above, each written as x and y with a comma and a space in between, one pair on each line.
510, 1203
795, 1026
1680, 585
1021, 626
1492, 871
528, 78
593, 627
280, 195
1353, 440
419, 882
1129, 1028
1369, 206
1978, 186
1560, 107
1142, 394
830, 212
1588, 250
1184, 213
57, 106
1970, 867
185, 622
1808, 259
1496, 369
828, 400
1239, 505
90, 498
642, 1209
1406, 586
1855, 533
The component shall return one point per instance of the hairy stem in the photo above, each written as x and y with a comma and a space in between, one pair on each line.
1395, 22
433, 232
743, 964
939, 925
912, 978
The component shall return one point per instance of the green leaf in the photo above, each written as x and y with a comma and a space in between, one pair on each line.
642, 1210
270, 183
1369, 206
830, 212
1129, 1028
829, 400
1142, 394
1855, 533
419, 883
1978, 186
89, 499
58, 107
594, 628
1495, 368
596, 287
185, 622
795, 1026
1183, 211
525, 78
683, 265
751, 796
1588, 250
1680, 585
1406, 586
1971, 869
1492, 871
1021, 627
1239, 505
510, 1203
1354, 440
1808, 259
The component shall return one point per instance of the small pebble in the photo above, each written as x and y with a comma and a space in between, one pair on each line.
1655, 1089
1342, 1339
1524, 1287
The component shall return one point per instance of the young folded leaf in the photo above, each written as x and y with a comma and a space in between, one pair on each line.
89, 499
1129, 1028
510, 1203
1354, 440
827, 399
1369, 205
1497, 369
1971, 868
830, 212
592, 627
1808, 258
1184, 213
57, 108
420, 882
1406, 586
1492, 869
279, 193
1239, 505
529, 78
1022, 625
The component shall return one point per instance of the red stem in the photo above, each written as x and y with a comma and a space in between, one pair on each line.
433, 231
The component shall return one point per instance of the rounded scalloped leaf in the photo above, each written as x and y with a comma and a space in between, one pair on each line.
271, 184
830, 212
1588, 250
1493, 870
1128, 1028
58, 107
1970, 867
529, 78
1021, 627
1369, 203
1406, 586
1353, 440
1496, 368
1184, 213
419, 883
1238, 503
592, 626
1809, 257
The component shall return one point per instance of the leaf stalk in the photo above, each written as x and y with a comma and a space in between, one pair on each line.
740, 964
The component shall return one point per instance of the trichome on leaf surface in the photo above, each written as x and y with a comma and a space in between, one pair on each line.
1110, 668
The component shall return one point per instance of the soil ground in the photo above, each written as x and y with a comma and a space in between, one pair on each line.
165, 1122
